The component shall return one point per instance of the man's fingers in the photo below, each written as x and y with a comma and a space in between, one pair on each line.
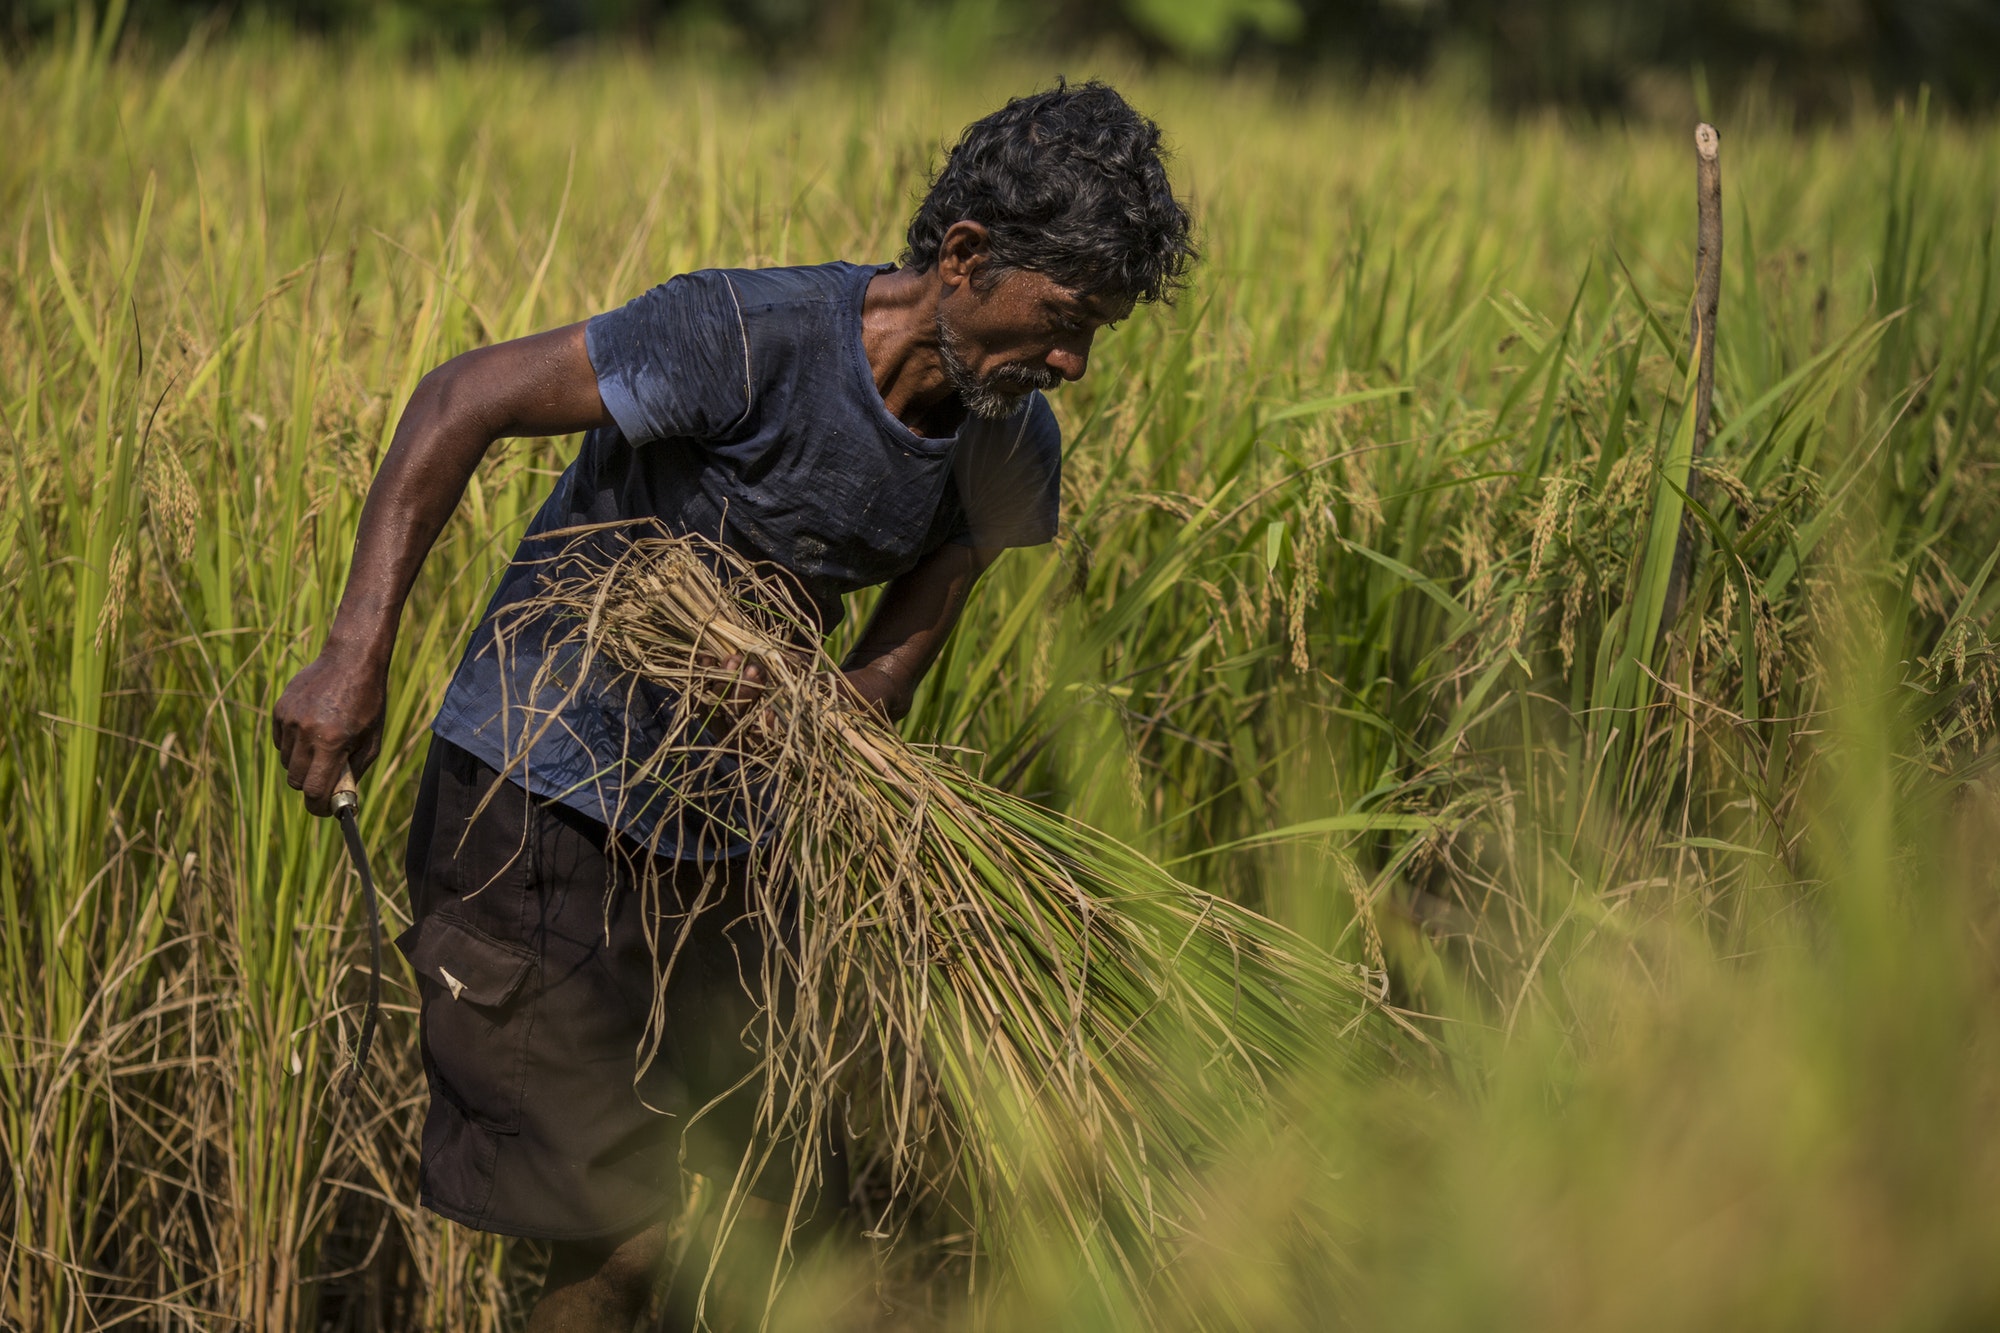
298, 759
314, 727
284, 736
321, 780
365, 752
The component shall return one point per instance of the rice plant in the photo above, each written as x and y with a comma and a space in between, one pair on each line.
1340, 628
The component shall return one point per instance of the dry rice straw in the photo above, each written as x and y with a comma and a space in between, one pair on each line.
1006, 1012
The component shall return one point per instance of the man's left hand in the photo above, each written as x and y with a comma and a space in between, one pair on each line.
875, 688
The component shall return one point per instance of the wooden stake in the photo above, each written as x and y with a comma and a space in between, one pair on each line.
1701, 331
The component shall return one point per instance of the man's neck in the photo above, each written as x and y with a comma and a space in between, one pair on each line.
899, 333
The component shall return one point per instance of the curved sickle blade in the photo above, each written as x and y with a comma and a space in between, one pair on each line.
350, 829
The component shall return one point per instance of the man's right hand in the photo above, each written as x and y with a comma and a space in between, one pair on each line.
331, 714
542, 384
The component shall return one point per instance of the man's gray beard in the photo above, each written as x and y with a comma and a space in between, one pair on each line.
999, 395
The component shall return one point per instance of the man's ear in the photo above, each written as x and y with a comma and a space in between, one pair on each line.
963, 252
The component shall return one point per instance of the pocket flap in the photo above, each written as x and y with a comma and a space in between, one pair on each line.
471, 965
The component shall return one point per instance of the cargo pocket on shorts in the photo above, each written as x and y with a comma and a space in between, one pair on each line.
476, 1021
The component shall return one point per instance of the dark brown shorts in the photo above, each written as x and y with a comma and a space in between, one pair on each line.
536, 979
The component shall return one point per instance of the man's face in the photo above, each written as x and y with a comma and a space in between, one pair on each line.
1021, 332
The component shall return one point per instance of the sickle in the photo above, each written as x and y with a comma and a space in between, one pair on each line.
347, 807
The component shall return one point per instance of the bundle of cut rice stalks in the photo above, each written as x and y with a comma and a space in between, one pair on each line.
1001, 1007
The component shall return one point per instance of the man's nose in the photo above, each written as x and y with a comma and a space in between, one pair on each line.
1070, 361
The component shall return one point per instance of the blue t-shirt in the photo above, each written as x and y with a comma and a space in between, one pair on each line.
745, 411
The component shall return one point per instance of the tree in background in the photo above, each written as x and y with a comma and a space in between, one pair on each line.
1589, 53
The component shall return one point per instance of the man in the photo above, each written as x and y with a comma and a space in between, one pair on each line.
849, 425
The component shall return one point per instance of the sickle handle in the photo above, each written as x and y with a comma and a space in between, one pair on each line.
346, 795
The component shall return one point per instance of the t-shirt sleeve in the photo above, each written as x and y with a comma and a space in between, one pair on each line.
1009, 481
674, 362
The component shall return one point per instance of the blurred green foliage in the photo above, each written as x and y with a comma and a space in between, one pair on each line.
1820, 55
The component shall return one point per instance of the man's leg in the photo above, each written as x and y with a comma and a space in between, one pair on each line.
604, 1287
536, 988
599, 1288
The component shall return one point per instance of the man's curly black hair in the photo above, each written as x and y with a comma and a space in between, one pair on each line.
1069, 183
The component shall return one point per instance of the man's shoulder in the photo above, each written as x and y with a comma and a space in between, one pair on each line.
801, 287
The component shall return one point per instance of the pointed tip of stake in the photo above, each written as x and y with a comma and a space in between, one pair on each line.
1706, 141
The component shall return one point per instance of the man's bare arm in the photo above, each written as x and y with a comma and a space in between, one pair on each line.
332, 711
911, 624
